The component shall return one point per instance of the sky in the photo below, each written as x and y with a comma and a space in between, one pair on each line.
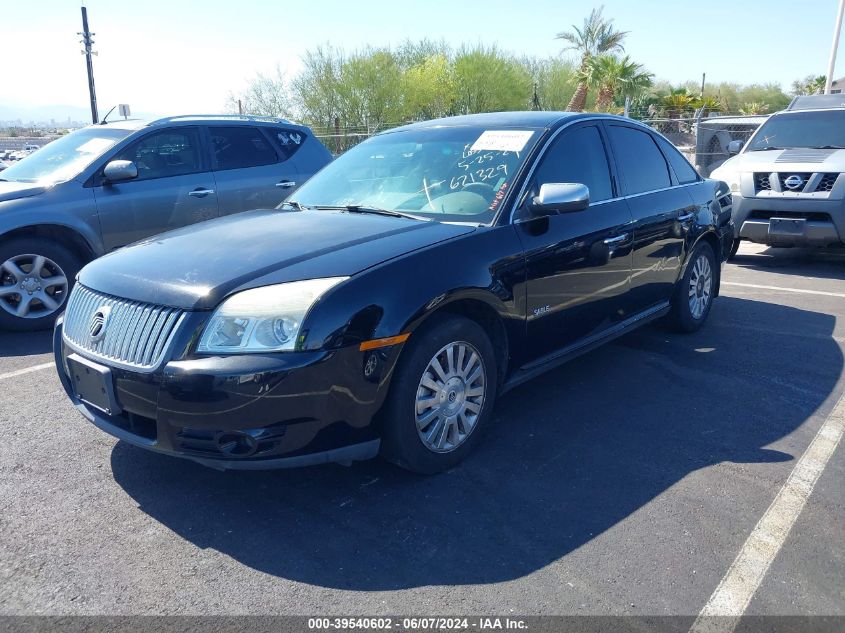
181, 56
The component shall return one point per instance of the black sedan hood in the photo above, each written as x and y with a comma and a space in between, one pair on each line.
194, 268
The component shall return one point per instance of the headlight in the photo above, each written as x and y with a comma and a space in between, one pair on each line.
266, 319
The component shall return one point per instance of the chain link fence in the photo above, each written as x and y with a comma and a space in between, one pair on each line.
702, 139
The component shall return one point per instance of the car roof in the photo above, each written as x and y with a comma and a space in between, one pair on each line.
804, 110
817, 102
530, 118
193, 119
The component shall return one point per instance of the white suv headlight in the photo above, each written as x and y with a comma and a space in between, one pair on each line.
266, 319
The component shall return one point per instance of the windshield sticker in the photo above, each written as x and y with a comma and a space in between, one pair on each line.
285, 138
500, 195
502, 141
95, 145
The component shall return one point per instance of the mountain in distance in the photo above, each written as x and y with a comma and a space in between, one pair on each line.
60, 113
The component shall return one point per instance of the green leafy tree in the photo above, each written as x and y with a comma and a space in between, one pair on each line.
267, 95
596, 36
430, 88
315, 89
555, 80
370, 90
490, 81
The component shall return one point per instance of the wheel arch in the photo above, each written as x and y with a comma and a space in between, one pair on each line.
486, 314
712, 239
62, 234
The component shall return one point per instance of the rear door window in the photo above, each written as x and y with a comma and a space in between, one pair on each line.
680, 165
237, 147
641, 162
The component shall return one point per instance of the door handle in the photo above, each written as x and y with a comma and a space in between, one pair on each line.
613, 241
199, 192
686, 218
286, 184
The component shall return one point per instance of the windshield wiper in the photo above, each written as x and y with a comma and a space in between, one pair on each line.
293, 203
765, 149
357, 208
827, 147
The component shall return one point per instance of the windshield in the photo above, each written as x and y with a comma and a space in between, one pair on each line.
801, 129
65, 157
450, 174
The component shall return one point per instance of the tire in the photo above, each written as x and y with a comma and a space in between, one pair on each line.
734, 248
20, 284
457, 399
693, 296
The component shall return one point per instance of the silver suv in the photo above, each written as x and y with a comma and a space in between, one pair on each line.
105, 186
787, 182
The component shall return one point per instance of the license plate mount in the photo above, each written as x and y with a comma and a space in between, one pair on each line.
787, 227
93, 384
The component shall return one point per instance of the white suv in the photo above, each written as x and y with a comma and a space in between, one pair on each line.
787, 182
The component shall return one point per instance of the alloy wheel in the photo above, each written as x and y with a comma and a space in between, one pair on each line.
32, 286
700, 286
450, 397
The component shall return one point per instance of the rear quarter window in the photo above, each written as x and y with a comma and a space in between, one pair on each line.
288, 140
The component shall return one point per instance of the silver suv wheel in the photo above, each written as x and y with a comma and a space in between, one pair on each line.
32, 286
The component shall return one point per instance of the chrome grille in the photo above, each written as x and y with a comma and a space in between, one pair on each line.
820, 182
137, 335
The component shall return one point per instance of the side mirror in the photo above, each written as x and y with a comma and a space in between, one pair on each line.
560, 198
734, 147
120, 170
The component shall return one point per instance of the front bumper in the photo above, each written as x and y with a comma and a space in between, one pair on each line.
247, 412
789, 221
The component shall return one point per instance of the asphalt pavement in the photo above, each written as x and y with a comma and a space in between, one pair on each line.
625, 482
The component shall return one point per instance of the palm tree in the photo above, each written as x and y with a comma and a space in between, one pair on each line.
754, 107
595, 37
810, 85
614, 76
678, 103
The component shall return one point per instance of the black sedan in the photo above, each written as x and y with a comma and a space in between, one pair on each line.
411, 281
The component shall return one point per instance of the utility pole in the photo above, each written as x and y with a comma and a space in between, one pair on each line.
89, 42
836, 31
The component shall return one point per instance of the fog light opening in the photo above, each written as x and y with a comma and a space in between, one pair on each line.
237, 444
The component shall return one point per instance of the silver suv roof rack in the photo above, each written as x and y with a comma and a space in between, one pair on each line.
220, 117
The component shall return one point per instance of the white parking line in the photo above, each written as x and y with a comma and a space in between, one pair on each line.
734, 593
782, 289
27, 370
